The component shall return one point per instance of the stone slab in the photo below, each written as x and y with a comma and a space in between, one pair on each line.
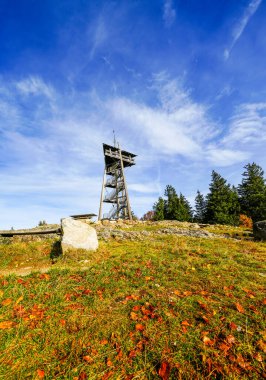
78, 234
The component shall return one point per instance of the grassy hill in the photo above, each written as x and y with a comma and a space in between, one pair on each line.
152, 303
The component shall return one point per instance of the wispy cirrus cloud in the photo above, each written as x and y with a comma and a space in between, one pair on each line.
169, 13
176, 126
47, 154
99, 35
34, 85
241, 25
248, 125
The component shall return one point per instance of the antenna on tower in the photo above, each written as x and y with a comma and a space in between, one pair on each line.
114, 138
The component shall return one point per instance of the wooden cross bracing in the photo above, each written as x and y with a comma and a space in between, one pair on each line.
116, 160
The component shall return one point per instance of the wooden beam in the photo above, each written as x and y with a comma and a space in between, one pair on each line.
30, 232
125, 185
102, 196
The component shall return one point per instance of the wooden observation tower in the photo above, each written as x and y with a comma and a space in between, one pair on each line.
114, 187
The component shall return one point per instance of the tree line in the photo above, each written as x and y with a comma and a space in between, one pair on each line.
222, 205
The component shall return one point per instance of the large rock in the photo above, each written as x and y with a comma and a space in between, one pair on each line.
77, 234
259, 230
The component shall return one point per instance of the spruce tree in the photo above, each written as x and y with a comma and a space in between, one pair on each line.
171, 203
158, 209
200, 207
184, 210
252, 192
222, 202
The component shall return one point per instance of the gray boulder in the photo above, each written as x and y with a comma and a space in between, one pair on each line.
259, 230
78, 234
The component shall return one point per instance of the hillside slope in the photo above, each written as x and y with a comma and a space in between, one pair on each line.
151, 303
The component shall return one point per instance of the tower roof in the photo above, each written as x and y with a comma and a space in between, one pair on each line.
112, 156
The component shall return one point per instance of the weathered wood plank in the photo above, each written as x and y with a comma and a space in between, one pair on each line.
11, 233
83, 216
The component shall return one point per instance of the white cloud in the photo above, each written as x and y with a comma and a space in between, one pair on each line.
176, 126
169, 13
158, 129
34, 85
99, 35
248, 125
227, 90
144, 188
219, 156
241, 25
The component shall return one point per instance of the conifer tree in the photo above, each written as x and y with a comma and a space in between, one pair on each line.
200, 207
222, 202
252, 192
171, 203
158, 209
184, 210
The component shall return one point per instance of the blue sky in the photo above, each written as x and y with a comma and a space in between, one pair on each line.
181, 82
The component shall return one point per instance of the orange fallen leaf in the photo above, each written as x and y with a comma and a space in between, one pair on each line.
208, 341
240, 308
44, 276
19, 300
139, 327
40, 373
104, 341
133, 316
62, 322
224, 347
206, 320
233, 326
109, 362
258, 357
164, 370
203, 305
119, 354
185, 323
6, 302
7, 325
100, 294
230, 287
230, 339
82, 376
132, 354
88, 359
86, 291
262, 345
242, 363
107, 375
253, 308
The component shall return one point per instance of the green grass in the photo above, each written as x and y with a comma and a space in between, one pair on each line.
166, 307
